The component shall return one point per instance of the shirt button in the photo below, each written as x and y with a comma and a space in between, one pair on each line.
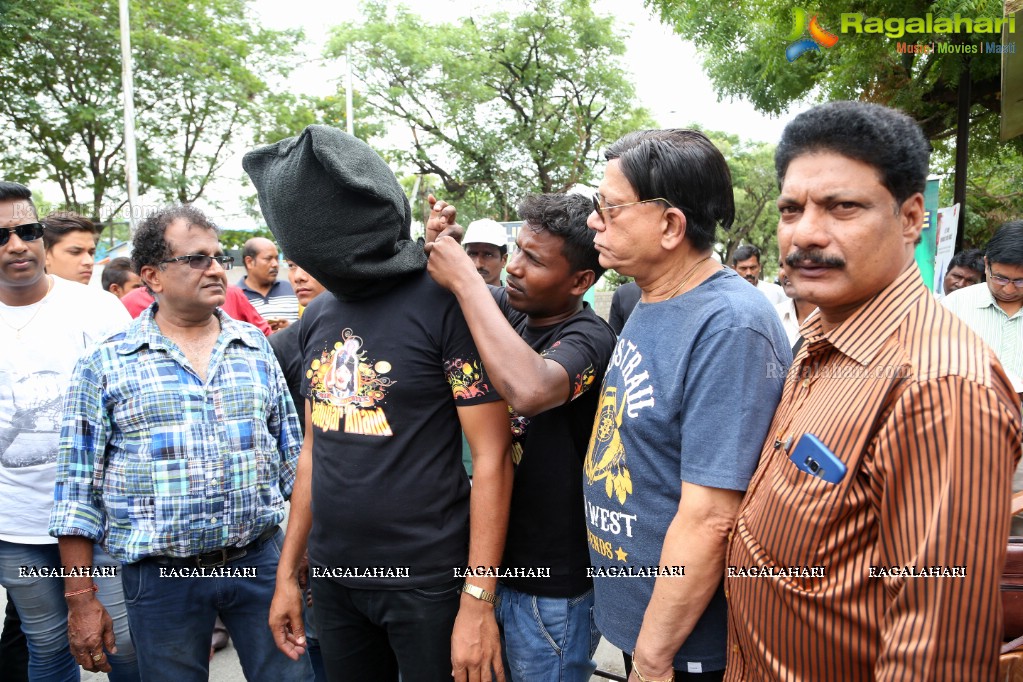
726, 594
213, 481
735, 648
213, 520
806, 382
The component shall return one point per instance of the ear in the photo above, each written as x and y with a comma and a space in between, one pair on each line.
673, 233
911, 213
151, 275
582, 281
115, 289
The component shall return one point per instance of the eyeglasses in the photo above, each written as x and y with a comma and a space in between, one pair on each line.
29, 232
1001, 280
607, 207
200, 261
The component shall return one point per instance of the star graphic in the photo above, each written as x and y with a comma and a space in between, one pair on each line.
622, 555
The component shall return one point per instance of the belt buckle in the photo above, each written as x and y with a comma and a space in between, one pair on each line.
217, 562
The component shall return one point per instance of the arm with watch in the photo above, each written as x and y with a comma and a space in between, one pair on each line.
475, 640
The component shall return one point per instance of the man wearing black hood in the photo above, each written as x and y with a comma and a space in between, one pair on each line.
381, 497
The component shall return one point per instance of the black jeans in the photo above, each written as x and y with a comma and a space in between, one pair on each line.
13, 647
374, 634
681, 676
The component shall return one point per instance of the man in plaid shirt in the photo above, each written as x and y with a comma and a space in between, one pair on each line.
178, 448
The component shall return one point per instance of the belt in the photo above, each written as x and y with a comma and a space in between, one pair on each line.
217, 557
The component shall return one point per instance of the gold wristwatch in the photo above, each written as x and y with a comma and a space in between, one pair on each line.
480, 593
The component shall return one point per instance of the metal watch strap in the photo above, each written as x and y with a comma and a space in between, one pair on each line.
480, 593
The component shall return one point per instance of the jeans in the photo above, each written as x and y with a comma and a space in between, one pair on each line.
374, 634
172, 618
547, 639
43, 611
13, 647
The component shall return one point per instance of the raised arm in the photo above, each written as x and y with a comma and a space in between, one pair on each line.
530, 383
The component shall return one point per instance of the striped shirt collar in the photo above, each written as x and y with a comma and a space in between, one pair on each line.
145, 332
864, 332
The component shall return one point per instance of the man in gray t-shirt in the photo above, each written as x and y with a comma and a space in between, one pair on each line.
685, 406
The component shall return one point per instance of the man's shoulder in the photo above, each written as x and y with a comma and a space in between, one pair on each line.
938, 343
968, 301
281, 287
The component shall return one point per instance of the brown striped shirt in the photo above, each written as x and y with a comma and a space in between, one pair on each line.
925, 420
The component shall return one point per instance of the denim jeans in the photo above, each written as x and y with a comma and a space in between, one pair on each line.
547, 639
374, 634
172, 619
43, 611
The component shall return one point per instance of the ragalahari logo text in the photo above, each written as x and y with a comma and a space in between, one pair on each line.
818, 36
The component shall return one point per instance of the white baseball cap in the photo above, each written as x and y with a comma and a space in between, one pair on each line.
486, 231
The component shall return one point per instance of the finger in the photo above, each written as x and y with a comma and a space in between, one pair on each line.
429, 247
497, 665
109, 642
430, 199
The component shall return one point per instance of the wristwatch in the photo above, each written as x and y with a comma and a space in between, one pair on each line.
480, 593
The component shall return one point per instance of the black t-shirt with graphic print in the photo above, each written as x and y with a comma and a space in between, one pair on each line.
384, 376
547, 528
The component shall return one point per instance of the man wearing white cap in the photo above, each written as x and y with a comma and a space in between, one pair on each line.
486, 242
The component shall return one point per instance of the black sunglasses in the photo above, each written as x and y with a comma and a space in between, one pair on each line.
200, 261
29, 232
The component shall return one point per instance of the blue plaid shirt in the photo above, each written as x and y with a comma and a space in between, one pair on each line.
153, 461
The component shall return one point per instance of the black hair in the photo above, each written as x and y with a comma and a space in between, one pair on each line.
116, 272
971, 259
878, 136
15, 191
565, 215
745, 252
149, 245
59, 223
1007, 244
684, 167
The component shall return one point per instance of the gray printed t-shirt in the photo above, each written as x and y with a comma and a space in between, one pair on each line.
689, 396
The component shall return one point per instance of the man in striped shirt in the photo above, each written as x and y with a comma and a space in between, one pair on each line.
275, 301
872, 536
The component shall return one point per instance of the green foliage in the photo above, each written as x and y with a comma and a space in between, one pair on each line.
199, 80
743, 47
755, 191
287, 114
501, 105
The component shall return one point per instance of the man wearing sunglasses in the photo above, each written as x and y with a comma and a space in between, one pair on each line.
662, 479
46, 323
993, 308
178, 449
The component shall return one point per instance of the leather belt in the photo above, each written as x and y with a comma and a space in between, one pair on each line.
218, 557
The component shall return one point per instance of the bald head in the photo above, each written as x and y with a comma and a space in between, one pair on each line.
260, 257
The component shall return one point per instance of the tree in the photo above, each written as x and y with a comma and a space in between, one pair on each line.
756, 189
497, 106
744, 51
196, 86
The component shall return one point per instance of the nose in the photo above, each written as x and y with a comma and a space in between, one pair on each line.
298, 274
514, 267
594, 222
809, 230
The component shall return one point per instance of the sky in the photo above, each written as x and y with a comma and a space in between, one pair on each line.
650, 46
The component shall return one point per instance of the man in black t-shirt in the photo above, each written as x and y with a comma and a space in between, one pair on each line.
391, 373
544, 349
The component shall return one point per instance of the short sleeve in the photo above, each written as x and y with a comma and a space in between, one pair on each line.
730, 398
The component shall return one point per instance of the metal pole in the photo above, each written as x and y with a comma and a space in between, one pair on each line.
962, 149
128, 90
349, 116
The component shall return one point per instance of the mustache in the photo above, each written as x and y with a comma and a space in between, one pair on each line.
816, 257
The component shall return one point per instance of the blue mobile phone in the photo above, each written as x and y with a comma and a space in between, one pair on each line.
813, 457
